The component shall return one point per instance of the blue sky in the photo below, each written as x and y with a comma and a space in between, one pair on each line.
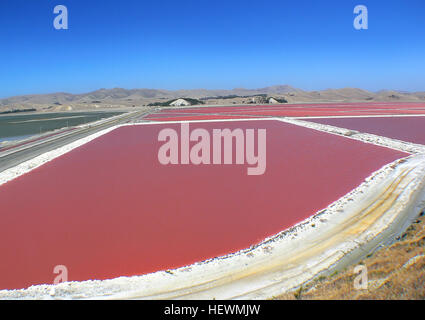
210, 44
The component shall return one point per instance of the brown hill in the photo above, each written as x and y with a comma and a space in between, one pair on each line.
118, 97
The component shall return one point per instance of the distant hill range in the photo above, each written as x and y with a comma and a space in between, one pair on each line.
117, 97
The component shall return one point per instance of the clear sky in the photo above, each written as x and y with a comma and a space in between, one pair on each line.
217, 44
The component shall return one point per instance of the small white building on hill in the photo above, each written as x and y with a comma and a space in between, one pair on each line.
180, 102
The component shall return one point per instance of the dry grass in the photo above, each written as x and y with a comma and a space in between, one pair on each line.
394, 272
